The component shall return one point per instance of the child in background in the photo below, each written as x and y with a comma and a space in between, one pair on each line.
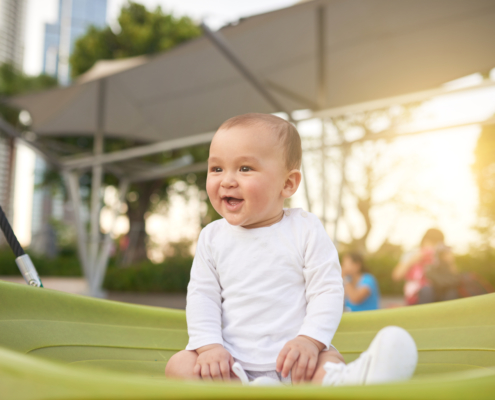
360, 287
266, 295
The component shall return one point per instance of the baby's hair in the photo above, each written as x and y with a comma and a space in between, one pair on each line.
286, 133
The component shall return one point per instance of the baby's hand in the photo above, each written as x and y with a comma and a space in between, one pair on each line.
299, 356
214, 362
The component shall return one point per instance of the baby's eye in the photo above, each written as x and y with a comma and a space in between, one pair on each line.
245, 169
216, 169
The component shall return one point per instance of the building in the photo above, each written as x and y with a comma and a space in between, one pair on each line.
74, 18
12, 20
6, 175
12, 28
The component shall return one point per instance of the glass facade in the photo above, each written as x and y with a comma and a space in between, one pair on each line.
74, 18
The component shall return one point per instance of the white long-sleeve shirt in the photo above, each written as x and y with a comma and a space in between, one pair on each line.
253, 290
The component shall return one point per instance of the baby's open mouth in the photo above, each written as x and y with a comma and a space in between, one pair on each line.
232, 202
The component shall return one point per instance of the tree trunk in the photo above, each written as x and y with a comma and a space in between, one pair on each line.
136, 210
364, 206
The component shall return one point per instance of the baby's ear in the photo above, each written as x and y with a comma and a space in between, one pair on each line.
292, 182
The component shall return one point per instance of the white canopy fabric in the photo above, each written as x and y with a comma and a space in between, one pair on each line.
372, 49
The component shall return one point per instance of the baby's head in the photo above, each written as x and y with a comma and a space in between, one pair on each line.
253, 167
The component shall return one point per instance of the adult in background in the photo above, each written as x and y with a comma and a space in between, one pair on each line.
361, 289
429, 271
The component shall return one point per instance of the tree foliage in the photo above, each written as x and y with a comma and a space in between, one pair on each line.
13, 82
484, 170
141, 32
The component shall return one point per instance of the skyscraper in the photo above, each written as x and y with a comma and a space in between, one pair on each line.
12, 17
12, 24
74, 18
6, 175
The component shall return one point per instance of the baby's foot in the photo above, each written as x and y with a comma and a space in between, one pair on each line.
392, 356
261, 381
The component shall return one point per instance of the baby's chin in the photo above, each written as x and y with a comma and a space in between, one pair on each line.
239, 220
234, 220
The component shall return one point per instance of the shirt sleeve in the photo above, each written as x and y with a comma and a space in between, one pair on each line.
204, 299
324, 287
367, 280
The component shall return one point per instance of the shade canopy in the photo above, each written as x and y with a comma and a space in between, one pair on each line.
313, 55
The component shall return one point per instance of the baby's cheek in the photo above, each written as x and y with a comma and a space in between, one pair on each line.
259, 194
212, 187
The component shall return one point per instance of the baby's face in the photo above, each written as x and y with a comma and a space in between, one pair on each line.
247, 176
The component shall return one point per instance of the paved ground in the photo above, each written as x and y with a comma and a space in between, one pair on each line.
172, 300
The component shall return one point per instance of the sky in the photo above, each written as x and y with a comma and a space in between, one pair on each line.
442, 171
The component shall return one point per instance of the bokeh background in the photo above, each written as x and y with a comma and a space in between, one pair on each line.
432, 166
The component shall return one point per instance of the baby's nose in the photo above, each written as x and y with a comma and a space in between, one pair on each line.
229, 181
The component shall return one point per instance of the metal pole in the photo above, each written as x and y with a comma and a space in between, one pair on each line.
102, 262
305, 184
72, 184
320, 57
341, 191
322, 101
75, 162
222, 45
96, 183
323, 177
22, 260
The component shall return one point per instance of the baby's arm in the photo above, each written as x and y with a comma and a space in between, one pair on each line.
203, 312
325, 299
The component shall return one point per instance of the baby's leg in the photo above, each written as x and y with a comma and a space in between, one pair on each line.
181, 365
331, 355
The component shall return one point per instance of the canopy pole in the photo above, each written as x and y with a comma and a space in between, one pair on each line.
324, 198
305, 184
221, 44
102, 261
77, 162
96, 184
72, 184
343, 163
322, 102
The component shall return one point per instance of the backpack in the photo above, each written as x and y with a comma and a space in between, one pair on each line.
440, 273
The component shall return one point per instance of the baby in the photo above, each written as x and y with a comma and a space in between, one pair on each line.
266, 294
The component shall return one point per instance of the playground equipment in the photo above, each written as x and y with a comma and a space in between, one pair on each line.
55, 345
22, 259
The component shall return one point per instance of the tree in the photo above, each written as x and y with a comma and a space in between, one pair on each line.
484, 170
374, 175
141, 32
13, 81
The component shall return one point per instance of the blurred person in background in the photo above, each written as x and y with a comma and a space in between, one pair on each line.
361, 289
430, 272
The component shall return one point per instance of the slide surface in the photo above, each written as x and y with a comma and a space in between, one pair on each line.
54, 345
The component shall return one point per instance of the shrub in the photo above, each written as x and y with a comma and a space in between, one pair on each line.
381, 266
482, 264
170, 276
66, 264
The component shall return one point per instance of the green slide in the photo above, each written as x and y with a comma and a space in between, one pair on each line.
55, 345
